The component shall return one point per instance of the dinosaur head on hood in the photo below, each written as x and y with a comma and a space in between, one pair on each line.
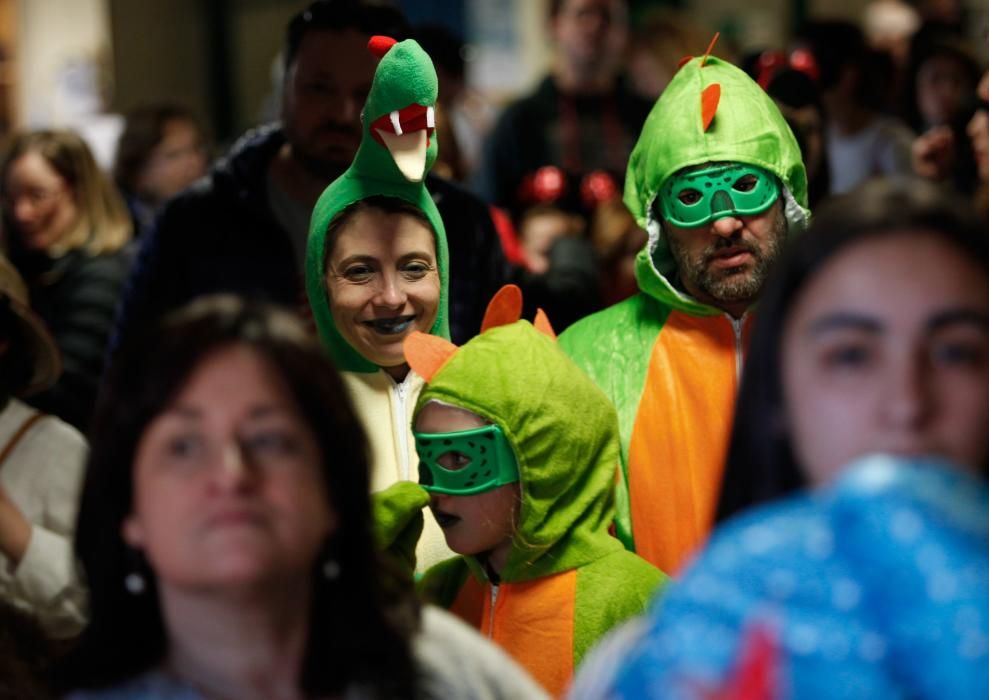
398, 147
562, 430
710, 113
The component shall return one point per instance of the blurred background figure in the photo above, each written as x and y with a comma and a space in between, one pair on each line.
66, 228
464, 116
161, 151
861, 141
656, 44
41, 469
581, 119
225, 530
978, 132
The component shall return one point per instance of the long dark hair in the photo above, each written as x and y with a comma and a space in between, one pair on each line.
360, 621
761, 465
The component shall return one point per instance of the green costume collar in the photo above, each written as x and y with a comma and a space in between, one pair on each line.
396, 120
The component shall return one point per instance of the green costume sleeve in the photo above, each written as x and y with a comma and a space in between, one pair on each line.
398, 521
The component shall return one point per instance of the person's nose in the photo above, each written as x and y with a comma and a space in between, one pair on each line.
391, 292
906, 405
235, 471
726, 226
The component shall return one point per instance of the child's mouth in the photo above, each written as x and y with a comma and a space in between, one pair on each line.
445, 520
395, 325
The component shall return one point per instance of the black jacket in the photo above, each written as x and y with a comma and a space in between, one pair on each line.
76, 295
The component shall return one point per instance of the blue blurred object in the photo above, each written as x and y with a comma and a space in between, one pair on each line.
877, 587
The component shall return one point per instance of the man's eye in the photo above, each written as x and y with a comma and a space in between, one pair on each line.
746, 183
453, 460
689, 197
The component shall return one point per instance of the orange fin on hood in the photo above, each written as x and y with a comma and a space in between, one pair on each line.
505, 307
427, 354
710, 98
543, 325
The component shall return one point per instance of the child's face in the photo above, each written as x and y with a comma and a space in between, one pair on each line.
478, 524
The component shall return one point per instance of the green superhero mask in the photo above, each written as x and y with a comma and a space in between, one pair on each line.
476, 461
696, 198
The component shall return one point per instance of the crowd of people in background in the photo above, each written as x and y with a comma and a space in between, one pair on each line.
669, 380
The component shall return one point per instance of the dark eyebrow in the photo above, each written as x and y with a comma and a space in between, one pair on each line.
963, 315
845, 320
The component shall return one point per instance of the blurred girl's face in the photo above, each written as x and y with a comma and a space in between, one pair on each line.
175, 163
39, 202
887, 350
228, 488
481, 524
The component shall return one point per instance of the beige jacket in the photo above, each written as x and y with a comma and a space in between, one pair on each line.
385, 407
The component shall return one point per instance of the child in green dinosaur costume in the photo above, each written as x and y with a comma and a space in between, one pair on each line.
518, 451
714, 147
372, 208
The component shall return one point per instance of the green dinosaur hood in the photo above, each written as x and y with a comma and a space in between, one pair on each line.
404, 77
747, 127
565, 435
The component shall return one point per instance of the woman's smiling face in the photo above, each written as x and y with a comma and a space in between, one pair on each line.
383, 283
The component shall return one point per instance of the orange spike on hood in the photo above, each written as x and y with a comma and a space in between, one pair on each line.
505, 307
543, 325
710, 98
426, 354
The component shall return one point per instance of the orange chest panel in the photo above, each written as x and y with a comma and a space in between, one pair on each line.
680, 435
533, 621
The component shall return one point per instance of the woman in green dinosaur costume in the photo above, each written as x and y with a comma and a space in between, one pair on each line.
669, 361
517, 453
376, 262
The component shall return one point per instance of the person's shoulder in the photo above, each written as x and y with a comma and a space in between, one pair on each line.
588, 331
50, 435
455, 661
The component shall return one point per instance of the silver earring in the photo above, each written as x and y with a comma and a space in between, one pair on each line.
331, 569
134, 583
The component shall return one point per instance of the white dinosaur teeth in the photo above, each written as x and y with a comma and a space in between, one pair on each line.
430, 118
396, 123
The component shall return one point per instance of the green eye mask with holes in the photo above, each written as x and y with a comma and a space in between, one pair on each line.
698, 198
475, 461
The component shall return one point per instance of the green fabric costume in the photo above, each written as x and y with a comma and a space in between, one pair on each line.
400, 104
668, 362
567, 581
404, 77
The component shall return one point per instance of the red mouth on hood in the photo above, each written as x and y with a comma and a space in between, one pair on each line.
415, 117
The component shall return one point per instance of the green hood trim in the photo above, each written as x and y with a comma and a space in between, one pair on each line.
565, 435
405, 76
747, 128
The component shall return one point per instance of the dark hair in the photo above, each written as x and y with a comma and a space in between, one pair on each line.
144, 129
380, 202
16, 362
761, 465
366, 16
360, 622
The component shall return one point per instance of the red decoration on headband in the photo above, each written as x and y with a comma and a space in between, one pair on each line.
379, 45
597, 187
709, 103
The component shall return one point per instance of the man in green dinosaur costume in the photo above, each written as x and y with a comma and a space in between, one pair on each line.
717, 181
552, 580
398, 147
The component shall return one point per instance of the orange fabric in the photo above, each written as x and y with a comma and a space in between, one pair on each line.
710, 98
680, 436
426, 353
533, 621
504, 308
543, 325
